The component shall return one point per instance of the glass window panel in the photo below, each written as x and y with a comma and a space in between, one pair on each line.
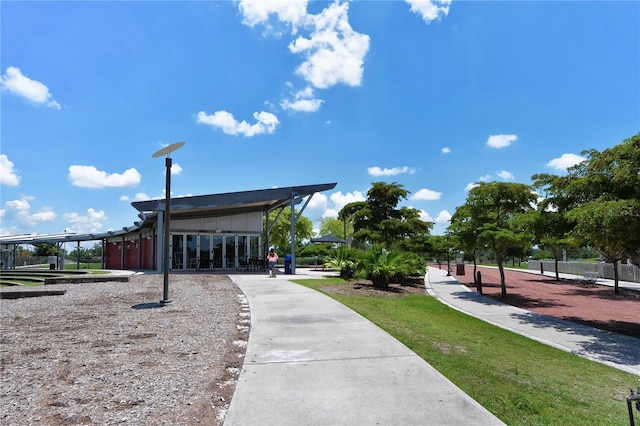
205, 246
254, 247
192, 251
230, 251
177, 251
216, 245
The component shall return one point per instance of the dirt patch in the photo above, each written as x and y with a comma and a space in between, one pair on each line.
365, 288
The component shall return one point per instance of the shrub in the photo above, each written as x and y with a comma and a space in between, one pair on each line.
381, 266
416, 267
344, 259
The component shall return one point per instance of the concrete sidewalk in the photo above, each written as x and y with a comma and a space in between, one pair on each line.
312, 361
613, 349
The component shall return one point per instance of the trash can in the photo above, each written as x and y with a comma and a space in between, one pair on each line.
460, 269
287, 264
52, 262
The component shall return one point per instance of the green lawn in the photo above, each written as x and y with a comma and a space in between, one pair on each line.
521, 381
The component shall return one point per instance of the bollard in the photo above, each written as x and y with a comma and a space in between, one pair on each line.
630, 398
541, 269
479, 282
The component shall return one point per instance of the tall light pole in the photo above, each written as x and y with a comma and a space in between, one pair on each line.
167, 217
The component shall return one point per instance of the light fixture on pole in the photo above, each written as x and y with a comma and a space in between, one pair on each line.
167, 150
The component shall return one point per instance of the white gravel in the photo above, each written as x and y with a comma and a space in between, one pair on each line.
108, 353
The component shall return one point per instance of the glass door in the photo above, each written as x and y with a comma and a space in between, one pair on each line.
254, 247
177, 251
216, 250
255, 256
204, 252
243, 254
230, 251
192, 251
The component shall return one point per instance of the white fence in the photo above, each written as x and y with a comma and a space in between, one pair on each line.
626, 272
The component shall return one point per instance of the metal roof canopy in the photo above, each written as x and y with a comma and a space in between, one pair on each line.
231, 203
328, 239
48, 238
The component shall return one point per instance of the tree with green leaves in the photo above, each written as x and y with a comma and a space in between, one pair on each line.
82, 255
336, 227
440, 248
606, 226
45, 249
551, 229
601, 197
378, 220
314, 249
494, 209
466, 232
280, 236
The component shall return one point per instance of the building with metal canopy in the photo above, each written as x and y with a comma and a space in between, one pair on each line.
222, 231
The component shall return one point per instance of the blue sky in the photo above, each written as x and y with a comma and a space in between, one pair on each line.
434, 95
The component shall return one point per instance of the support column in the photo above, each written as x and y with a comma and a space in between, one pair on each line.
159, 241
293, 237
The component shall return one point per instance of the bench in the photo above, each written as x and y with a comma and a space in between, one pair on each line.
590, 277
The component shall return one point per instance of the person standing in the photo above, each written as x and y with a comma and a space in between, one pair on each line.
272, 258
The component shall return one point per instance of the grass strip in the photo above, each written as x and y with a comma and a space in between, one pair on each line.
521, 381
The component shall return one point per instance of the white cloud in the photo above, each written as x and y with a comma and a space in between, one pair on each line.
91, 222
292, 12
34, 91
20, 210
377, 171
424, 216
505, 175
501, 141
472, 185
334, 52
317, 206
303, 101
425, 195
430, 10
265, 123
340, 200
176, 169
565, 161
90, 177
443, 217
140, 196
445, 150
44, 216
8, 175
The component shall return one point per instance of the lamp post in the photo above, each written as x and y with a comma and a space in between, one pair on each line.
167, 217
448, 263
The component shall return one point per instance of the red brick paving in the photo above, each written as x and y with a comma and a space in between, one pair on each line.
593, 305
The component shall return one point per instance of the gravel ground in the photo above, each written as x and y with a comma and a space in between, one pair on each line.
108, 353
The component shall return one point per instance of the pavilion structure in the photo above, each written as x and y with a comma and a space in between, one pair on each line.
216, 231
